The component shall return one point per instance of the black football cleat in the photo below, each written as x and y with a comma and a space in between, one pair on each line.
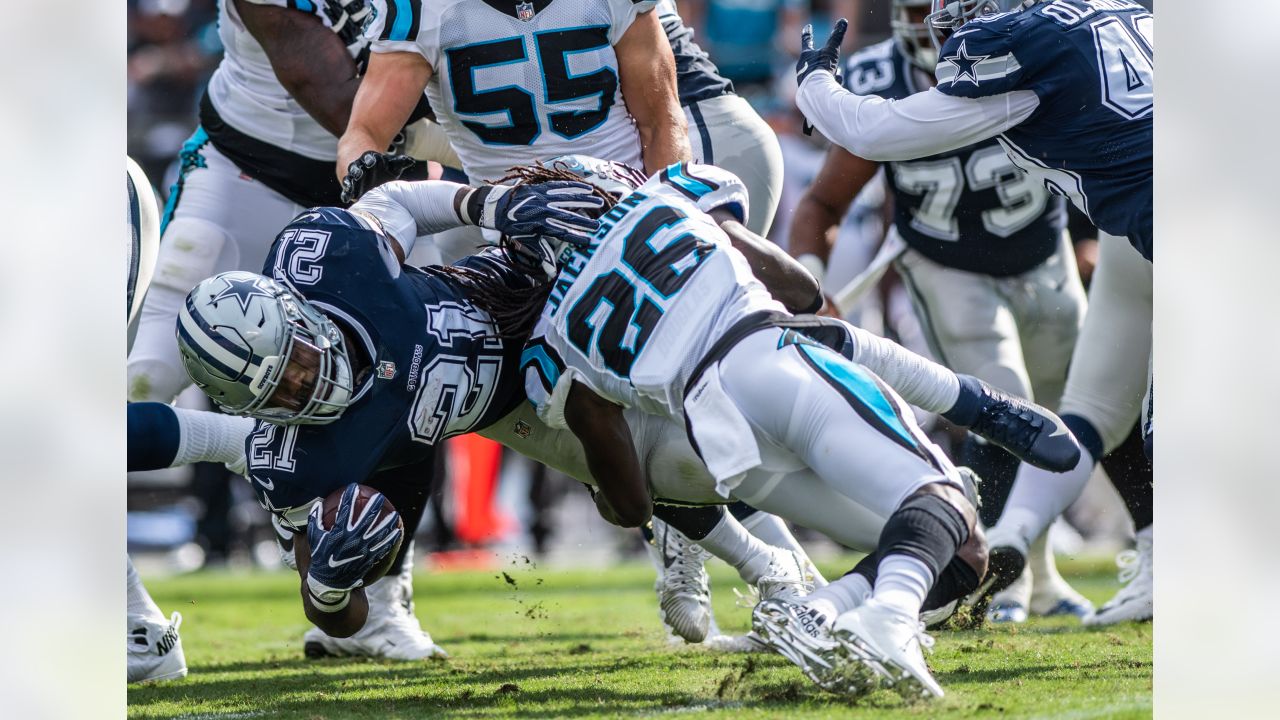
1032, 433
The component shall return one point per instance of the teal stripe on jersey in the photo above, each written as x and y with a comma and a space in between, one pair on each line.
860, 385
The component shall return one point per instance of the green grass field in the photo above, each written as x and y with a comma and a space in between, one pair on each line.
588, 644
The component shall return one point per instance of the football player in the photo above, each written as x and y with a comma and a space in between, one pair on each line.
724, 130
983, 253
1067, 86
762, 399
267, 138
513, 82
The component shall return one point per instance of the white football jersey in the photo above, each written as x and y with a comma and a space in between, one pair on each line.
246, 93
632, 315
515, 81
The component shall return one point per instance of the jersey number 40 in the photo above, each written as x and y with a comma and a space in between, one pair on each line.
553, 48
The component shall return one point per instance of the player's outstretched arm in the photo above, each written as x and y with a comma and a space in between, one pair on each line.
647, 73
309, 59
824, 204
392, 87
784, 277
611, 457
924, 124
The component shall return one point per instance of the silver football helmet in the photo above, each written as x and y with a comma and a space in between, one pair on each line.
258, 348
946, 16
913, 34
617, 179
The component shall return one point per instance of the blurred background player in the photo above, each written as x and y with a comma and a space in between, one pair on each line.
1021, 76
981, 247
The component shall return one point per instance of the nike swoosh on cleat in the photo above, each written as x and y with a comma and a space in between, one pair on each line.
1060, 428
667, 560
340, 563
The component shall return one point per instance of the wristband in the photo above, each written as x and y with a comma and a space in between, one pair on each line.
479, 206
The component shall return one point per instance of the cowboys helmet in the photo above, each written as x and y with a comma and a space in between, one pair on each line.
913, 34
617, 179
947, 15
258, 348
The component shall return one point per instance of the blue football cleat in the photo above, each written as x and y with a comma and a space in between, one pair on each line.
1032, 433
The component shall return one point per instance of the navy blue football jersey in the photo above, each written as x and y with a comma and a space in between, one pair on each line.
437, 366
1091, 64
971, 209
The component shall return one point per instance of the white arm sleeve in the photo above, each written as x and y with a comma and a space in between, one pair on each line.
408, 209
924, 124
919, 381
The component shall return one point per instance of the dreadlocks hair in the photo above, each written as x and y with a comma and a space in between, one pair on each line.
515, 310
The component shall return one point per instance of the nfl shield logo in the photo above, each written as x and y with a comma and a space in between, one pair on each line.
386, 370
524, 11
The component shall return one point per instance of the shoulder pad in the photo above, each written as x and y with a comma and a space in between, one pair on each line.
708, 187
979, 59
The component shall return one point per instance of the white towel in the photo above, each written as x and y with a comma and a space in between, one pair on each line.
723, 436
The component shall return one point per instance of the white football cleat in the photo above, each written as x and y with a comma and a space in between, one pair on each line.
787, 578
1055, 597
1010, 605
684, 596
392, 630
1136, 600
803, 636
749, 643
155, 649
894, 643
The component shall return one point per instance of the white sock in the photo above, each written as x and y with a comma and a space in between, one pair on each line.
210, 436
140, 602
1039, 496
731, 542
774, 531
902, 583
1044, 568
840, 596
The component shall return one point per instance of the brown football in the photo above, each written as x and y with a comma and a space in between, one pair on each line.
362, 497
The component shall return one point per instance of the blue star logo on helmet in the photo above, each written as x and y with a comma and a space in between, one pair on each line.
242, 290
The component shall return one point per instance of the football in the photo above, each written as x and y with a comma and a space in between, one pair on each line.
362, 498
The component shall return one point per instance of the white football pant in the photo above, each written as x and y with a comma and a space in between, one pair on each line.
221, 220
727, 132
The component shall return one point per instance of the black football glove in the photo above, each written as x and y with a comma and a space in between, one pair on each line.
827, 58
371, 170
342, 555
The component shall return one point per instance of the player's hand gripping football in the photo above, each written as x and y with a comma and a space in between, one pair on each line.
826, 58
371, 170
342, 555
559, 209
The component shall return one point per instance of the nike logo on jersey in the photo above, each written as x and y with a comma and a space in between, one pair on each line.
340, 563
267, 484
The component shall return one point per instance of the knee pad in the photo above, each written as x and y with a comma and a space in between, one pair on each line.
928, 527
189, 253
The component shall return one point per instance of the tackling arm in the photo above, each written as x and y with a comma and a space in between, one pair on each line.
611, 457
392, 87
647, 73
924, 124
785, 278
824, 203
308, 58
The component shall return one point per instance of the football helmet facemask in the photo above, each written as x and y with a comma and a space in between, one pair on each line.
946, 16
259, 349
913, 35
